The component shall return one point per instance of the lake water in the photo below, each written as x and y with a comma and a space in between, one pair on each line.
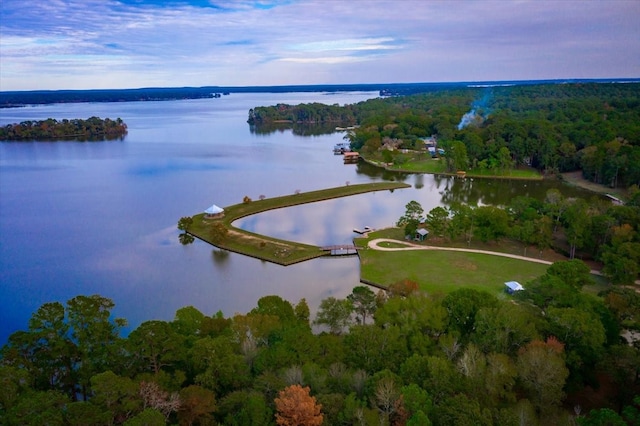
100, 218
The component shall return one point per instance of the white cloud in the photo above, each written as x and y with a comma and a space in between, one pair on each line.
268, 43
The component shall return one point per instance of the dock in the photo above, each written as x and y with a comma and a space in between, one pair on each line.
362, 231
341, 250
351, 157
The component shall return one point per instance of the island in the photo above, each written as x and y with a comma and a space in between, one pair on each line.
91, 129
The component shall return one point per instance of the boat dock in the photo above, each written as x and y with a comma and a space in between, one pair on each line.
363, 231
341, 250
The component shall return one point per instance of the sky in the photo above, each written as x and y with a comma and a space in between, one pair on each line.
103, 44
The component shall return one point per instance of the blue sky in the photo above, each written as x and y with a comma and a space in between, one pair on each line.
86, 44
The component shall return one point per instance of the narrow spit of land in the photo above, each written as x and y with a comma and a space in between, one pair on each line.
274, 250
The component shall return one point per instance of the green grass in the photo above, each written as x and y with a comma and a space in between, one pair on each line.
445, 271
520, 173
420, 162
274, 250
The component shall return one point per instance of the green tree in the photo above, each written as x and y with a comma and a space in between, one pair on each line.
118, 395
411, 218
153, 345
491, 223
456, 156
184, 223
574, 272
364, 303
96, 336
437, 221
335, 314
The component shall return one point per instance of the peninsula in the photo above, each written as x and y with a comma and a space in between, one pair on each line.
220, 232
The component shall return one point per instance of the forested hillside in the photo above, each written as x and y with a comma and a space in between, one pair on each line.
552, 356
593, 127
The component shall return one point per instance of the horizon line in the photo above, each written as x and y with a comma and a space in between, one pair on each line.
373, 86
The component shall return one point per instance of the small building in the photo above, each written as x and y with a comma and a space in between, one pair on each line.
214, 212
421, 234
351, 157
513, 286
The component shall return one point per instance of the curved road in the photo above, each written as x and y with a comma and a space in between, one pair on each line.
375, 244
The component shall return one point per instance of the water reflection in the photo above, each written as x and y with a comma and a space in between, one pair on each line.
220, 257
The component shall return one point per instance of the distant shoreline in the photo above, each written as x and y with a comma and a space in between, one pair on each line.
16, 99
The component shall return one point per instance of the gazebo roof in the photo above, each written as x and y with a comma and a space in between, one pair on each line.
214, 210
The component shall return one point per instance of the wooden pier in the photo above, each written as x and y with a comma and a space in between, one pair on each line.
341, 250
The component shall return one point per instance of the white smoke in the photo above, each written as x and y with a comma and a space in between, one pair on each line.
468, 118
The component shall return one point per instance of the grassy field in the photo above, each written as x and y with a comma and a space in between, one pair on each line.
423, 163
266, 248
445, 271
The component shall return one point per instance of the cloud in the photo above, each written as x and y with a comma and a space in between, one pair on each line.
131, 43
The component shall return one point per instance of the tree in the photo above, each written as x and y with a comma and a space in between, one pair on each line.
461, 223
576, 223
197, 404
295, 407
437, 221
335, 314
153, 345
119, 395
491, 223
96, 336
411, 217
218, 232
363, 301
504, 159
456, 156
574, 272
542, 371
184, 223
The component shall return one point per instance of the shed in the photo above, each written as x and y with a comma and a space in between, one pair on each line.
421, 234
513, 286
214, 212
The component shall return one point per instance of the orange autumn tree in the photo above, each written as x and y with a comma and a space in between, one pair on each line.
297, 408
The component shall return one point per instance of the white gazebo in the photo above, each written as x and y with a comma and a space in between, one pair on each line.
214, 212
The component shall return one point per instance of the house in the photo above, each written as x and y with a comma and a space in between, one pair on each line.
513, 286
421, 234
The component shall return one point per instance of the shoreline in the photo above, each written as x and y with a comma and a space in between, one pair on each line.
576, 179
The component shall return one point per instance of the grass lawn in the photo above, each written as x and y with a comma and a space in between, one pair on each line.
420, 162
445, 271
520, 173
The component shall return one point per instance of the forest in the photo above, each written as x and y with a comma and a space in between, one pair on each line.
91, 129
551, 354
555, 128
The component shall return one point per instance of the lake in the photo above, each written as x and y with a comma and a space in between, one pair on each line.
100, 217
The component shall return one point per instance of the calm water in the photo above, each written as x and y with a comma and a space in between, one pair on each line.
100, 218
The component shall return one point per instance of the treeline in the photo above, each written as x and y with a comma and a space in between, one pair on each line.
397, 358
590, 230
91, 129
314, 113
554, 128
593, 127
